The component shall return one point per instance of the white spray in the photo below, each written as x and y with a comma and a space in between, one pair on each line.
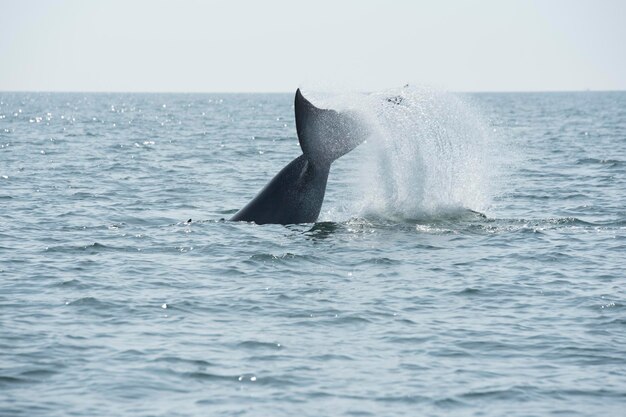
429, 155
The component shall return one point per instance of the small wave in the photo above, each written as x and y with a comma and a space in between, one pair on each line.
87, 301
95, 306
11, 380
573, 196
403, 399
501, 394
178, 360
85, 227
380, 261
129, 354
351, 320
227, 212
90, 248
323, 229
469, 292
329, 319
442, 223
409, 340
72, 283
611, 163
38, 374
568, 221
331, 357
82, 195
207, 376
527, 226
456, 222
612, 223
449, 215
256, 345
600, 393
246, 378
287, 257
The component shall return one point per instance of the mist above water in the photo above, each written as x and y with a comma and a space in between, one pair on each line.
429, 154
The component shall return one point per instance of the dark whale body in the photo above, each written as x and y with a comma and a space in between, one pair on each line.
296, 193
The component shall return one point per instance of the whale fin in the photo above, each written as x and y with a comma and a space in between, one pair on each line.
296, 193
325, 135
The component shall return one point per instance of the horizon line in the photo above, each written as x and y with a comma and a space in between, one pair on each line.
291, 92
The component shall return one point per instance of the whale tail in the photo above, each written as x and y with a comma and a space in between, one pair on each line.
325, 135
296, 193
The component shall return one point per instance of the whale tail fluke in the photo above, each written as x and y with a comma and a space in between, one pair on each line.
296, 193
325, 135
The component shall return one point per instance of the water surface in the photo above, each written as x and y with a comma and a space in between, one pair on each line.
400, 301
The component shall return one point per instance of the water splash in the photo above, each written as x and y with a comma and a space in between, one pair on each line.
429, 155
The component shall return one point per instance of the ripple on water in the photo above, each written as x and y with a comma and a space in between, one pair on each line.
370, 312
256, 345
92, 248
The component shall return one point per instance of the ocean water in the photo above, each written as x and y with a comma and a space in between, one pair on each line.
470, 258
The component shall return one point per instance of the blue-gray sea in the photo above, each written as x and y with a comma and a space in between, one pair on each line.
469, 259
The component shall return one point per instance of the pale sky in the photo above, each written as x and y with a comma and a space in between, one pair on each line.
278, 45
